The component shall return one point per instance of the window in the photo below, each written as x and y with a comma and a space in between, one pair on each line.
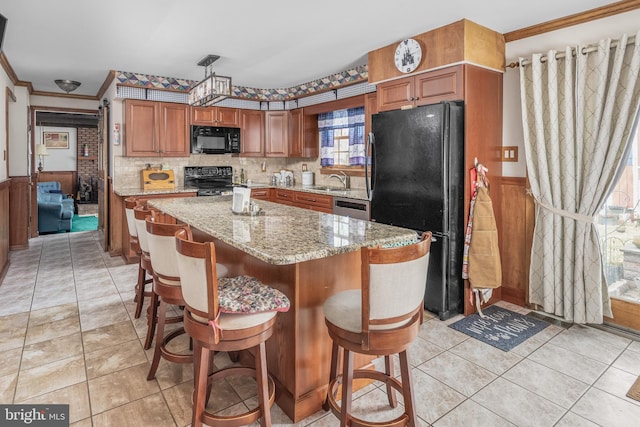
342, 138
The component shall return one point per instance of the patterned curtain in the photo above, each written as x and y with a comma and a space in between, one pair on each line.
356, 136
578, 113
353, 118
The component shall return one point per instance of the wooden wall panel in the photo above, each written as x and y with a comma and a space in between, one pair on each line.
19, 200
68, 180
461, 41
5, 187
517, 225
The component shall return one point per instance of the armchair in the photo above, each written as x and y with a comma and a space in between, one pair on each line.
55, 211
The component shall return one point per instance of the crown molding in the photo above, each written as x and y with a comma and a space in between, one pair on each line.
571, 20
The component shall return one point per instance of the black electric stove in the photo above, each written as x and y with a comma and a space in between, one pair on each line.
209, 180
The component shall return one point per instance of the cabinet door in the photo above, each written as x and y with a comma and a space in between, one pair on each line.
296, 134
303, 134
252, 133
141, 128
277, 134
203, 116
395, 94
174, 130
370, 108
229, 117
440, 85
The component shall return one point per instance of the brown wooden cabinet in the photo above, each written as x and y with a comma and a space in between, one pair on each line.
215, 116
156, 129
302, 199
370, 108
276, 134
303, 134
252, 133
446, 84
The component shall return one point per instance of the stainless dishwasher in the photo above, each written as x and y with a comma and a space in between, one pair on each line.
354, 208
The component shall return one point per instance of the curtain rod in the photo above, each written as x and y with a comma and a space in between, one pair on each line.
585, 50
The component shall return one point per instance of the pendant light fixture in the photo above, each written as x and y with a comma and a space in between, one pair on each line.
213, 88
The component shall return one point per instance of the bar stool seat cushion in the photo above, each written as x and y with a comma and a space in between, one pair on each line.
231, 322
246, 294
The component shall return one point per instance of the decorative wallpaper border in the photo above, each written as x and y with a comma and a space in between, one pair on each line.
334, 81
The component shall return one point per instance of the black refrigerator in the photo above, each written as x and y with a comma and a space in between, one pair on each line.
417, 181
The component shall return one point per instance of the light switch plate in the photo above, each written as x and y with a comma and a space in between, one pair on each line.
509, 153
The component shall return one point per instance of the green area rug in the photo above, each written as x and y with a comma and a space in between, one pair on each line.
84, 223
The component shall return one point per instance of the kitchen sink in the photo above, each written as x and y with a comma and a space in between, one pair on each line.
325, 188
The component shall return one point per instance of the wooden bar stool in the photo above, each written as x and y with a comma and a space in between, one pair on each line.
140, 214
166, 287
381, 319
217, 320
129, 204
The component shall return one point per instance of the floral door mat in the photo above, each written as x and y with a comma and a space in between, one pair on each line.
500, 327
634, 391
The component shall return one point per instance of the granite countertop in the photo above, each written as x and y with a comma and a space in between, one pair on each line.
137, 191
280, 234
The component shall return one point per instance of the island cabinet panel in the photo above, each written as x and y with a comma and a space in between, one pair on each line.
276, 134
299, 352
156, 129
252, 133
215, 116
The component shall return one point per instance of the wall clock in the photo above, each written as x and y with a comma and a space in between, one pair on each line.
408, 55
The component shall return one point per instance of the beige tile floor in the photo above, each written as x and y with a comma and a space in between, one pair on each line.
67, 335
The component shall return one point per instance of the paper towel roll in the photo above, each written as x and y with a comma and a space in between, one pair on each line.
307, 178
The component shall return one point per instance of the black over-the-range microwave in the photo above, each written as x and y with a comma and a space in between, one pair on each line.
214, 140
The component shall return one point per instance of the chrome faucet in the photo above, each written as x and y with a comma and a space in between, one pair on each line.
344, 179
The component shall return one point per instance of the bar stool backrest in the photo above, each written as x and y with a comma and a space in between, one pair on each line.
197, 266
162, 246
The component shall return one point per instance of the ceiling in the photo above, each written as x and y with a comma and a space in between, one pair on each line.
262, 44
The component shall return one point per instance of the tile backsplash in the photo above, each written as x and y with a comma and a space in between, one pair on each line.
126, 170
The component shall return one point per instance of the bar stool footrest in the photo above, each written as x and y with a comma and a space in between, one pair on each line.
241, 419
334, 388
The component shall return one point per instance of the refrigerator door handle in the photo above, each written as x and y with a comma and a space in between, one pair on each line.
367, 154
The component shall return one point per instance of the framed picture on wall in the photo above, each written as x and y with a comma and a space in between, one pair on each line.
55, 139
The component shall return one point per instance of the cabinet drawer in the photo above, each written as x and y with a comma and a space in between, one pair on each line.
312, 200
261, 193
283, 196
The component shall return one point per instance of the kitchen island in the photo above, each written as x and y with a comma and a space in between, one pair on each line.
307, 255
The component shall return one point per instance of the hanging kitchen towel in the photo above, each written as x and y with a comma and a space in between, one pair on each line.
485, 271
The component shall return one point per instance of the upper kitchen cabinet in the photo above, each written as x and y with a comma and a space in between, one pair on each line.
215, 116
156, 129
445, 84
303, 134
252, 133
276, 134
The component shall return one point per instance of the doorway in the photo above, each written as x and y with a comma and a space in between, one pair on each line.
619, 228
